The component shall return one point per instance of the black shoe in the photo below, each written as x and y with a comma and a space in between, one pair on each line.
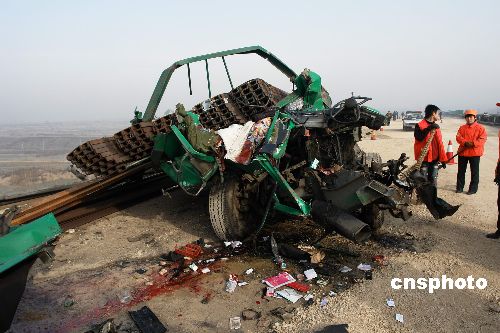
458, 191
471, 192
494, 235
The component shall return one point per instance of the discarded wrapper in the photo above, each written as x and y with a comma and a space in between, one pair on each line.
241, 284
205, 270
279, 280
399, 317
249, 271
193, 267
391, 303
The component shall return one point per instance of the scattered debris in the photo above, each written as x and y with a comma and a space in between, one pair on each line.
146, 321
279, 280
70, 231
270, 292
191, 250
364, 267
241, 284
399, 317
193, 267
332, 293
322, 283
107, 326
345, 269
235, 323
289, 294
317, 257
250, 314
391, 303
141, 270
231, 283
205, 270
308, 297
163, 271
249, 271
324, 302
310, 274
368, 275
302, 287
380, 259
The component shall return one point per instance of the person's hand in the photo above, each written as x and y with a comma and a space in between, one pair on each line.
443, 165
434, 126
469, 144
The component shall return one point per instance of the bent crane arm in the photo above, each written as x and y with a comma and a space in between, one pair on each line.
165, 76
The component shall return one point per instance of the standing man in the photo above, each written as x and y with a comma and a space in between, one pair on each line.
471, 137
496, 234
436, 153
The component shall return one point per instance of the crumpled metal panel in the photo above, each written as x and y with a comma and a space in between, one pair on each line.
26, 240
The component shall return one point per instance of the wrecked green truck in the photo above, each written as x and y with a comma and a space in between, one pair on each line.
258, 150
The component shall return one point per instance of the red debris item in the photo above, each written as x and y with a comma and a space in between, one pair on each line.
380, 259
302, 287
190, 250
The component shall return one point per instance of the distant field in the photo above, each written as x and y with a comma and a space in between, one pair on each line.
33, 156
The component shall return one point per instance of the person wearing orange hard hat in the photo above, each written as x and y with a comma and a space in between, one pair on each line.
471, 137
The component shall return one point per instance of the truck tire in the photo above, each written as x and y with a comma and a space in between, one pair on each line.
228, 213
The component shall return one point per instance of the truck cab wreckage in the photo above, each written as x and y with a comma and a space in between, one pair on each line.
255, 149
258, 149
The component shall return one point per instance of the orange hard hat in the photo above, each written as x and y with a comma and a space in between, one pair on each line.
470, 112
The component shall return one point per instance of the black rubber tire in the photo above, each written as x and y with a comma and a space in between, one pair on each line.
227, 216
373, 216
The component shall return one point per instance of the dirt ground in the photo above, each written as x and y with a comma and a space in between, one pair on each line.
95, 272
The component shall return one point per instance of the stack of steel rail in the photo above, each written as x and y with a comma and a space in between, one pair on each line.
221, 113
111, 155
254, 96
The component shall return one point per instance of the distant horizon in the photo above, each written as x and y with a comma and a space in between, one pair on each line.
73, 61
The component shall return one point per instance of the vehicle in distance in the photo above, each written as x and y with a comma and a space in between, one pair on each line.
411, 118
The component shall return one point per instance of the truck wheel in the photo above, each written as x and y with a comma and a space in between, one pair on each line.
229, 211
373, 216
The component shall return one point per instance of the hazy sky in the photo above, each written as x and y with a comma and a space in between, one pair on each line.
74, 60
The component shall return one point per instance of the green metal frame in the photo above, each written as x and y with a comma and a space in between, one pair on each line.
26, 240
167, 73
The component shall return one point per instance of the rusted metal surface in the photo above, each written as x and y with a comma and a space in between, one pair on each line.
74, 196
109, 155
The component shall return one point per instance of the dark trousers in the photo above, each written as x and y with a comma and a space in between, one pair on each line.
474, 172
498, 206
430, 171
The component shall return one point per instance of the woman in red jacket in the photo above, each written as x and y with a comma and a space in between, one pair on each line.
471, 137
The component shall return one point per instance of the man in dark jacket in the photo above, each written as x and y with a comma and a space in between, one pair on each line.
436, 153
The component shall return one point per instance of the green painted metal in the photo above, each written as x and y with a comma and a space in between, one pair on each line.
264, 161
167, 73
27, 240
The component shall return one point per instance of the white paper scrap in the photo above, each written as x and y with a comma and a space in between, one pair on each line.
399, 317
289, 294
310, 274
205, 270
391, 303
364, 267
